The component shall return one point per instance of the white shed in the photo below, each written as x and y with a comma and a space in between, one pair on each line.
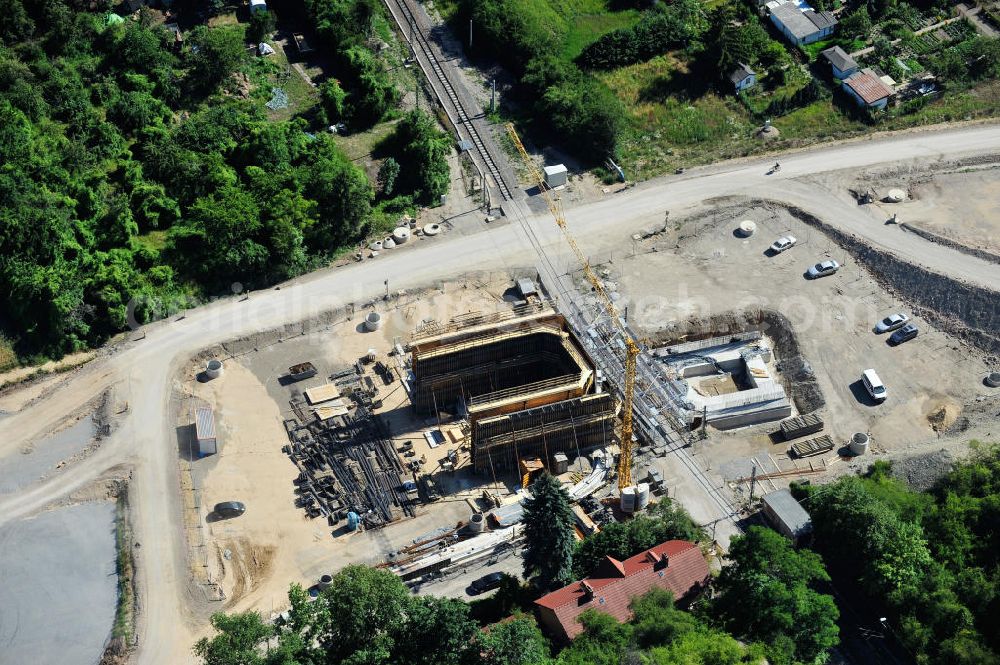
204, 427
258, 5
556, 175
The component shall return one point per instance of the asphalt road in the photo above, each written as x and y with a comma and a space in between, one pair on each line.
143, 370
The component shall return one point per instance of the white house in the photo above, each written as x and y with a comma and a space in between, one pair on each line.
800, 23
742, 77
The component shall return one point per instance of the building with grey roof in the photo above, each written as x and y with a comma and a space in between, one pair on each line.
742, 77
786, 515
842, 64
800, 23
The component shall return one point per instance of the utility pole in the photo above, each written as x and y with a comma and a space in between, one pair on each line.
493, 96
753, 481
387, 289
470, 33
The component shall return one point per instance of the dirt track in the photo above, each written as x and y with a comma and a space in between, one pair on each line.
143, 370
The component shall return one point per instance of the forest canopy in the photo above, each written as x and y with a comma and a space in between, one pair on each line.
134, 173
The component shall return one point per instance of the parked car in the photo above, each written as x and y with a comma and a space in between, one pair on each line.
485, 583
783, 243
904, 334
891, 322
230, 509
873, 384
823, 269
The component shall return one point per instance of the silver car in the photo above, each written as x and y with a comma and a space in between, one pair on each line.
783, 243
891, 322
823, 269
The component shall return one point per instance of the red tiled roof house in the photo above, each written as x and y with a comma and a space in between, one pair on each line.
676, 565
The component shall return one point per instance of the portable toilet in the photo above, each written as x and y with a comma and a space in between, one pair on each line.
258, 5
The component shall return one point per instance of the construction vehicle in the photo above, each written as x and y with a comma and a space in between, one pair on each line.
632, 348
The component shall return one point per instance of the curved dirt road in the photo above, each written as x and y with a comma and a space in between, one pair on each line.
142, 371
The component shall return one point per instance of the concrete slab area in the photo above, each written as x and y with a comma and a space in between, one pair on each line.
21, 468
58, 587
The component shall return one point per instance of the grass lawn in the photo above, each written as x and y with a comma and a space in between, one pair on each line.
586, 28
274, 71
849, 45
673, 119
154, 240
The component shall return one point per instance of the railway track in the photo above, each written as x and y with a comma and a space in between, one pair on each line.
408, 25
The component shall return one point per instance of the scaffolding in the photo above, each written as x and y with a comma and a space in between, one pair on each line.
574, 425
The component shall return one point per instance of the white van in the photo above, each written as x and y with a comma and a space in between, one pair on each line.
874, 385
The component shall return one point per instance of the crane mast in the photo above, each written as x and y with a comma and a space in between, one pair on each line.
631, 346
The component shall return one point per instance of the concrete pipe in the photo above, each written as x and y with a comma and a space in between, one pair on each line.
376, 246
324, 582
213, 369
747, 228
993, 380
859, 443
432, 229
388, 243
401, 235
373, 321
478, 523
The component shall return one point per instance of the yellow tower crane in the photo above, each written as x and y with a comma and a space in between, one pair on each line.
631, 346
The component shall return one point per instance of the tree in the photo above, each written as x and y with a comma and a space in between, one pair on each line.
548, 530
387, 174
342, 193
220, 238
238, 640
359, 617
423, 150
334, 100
516, 642
261, 25
857, 24
214, 54
767, 594
437, 631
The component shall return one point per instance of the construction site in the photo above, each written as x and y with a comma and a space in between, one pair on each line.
404, 432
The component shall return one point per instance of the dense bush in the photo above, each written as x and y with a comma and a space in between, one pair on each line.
578, 109
418, 143
931, 559
680, 24
514, 31
364, 93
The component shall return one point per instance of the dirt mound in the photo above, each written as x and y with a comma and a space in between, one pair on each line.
244, 566
942, 415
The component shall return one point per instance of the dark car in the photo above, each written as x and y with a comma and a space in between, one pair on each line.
904, 334
230, 509
485, 583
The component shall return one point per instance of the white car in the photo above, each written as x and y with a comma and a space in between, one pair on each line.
823, 269
783, 243
891, 322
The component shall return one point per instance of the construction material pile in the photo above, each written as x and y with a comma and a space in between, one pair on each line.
346, 462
